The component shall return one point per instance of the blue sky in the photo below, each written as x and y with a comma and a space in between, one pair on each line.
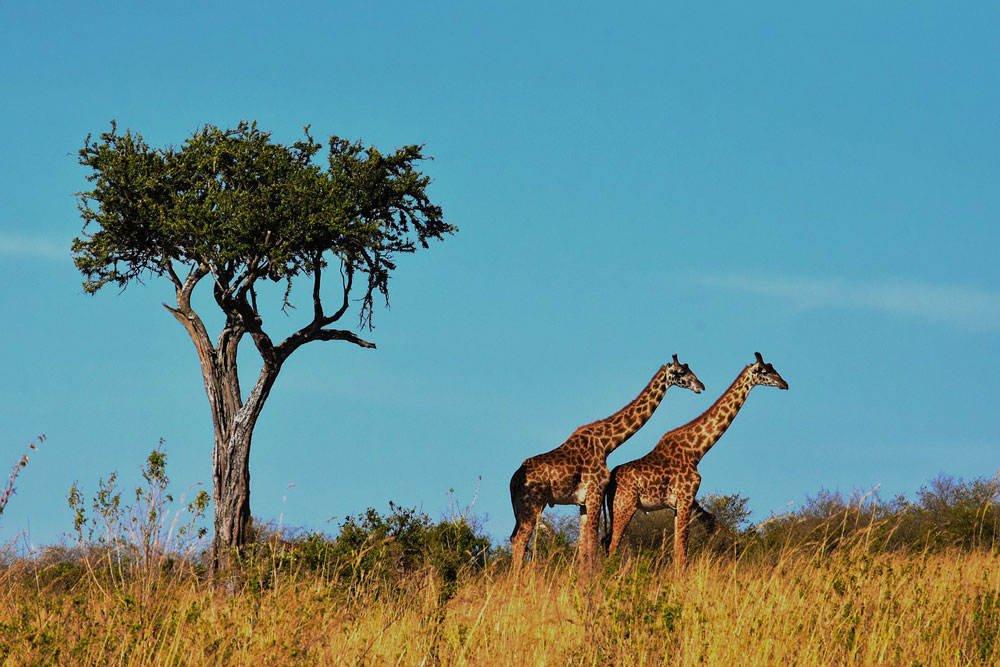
816, 183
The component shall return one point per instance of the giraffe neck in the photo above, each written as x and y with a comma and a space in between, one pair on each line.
620, 426
702, 433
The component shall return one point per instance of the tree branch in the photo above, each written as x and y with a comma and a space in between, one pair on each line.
341, 334
317, 301
251, 322
314, 332
246, 281
241, 317
347, 281
174, 278
184, 290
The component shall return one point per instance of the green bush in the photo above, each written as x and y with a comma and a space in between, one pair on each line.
372, 547
946, 513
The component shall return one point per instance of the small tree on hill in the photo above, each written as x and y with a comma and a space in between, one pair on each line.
233, 208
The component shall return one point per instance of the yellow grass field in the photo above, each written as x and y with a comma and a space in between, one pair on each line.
802, 608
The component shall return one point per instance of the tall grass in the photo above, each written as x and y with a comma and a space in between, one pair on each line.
851, 584
813, 608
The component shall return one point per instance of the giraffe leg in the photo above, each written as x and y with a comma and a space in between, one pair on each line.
526, 521
623, 506
588, 529
528, 507
684, 507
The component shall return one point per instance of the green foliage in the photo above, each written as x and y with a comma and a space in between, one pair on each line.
731, 512
405, 540
372, 547
556, 537
946, 513
632, 605
246, 207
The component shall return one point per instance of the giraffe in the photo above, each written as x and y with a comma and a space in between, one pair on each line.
576, 472
668, 475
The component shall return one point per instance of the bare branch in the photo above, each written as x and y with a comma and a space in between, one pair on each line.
317, 301
251, 322
174, 278
341, 334
347, 281
242, 317
313, 332
285, 303
253, 271
188, 318
184, 291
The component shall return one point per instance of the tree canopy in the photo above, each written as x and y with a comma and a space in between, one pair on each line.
242, 208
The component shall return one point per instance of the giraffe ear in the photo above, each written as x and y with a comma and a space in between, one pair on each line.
760, 359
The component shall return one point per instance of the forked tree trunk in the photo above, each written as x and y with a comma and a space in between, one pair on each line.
233, 422
234, 419
231, 470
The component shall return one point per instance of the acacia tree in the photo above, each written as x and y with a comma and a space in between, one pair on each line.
232, 208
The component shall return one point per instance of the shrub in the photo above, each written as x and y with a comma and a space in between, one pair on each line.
131, 539
947, 513
372, 548
405, 540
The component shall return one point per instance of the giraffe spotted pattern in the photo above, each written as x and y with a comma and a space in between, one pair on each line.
576, 472
668, 476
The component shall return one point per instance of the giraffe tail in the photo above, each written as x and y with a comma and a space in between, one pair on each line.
607, 508
518, 483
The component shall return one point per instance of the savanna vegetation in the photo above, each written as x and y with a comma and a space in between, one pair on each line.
140, 579
232, 211
837, 581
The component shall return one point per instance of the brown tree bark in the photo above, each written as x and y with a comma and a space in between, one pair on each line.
231, 472
232, 418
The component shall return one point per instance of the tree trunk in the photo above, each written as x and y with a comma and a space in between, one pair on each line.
231, 470
233, 420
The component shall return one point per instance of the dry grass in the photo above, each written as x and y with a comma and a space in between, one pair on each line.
804, 607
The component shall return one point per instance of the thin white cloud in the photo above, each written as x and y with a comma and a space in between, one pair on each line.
963, 306
39, 247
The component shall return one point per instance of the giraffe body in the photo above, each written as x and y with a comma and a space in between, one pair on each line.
576, 472
668, 476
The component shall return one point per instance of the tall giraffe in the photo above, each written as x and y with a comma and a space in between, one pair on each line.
576, 472
668, 476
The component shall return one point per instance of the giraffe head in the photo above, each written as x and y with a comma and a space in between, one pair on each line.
679, 374
762, 373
